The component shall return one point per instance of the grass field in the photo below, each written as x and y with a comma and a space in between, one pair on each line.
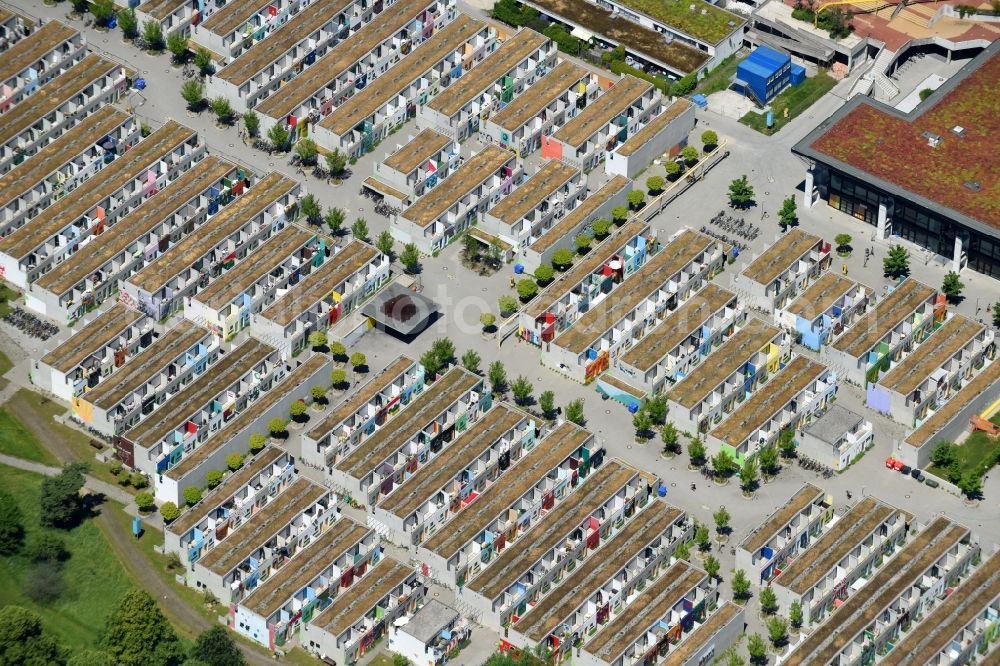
16, 440
720, 77
794, 98
93, 580
977, 449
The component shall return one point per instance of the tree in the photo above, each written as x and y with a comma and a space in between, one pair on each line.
487, 319
192, 495
583, 243
145, 501
643, 425
710, 139
843, 242
336, 162
526, 289
278, 137
360, 229
544, 274
619, 214
60, 501
471, 360
722, 519
215, 648
734, 659
702, 538
971, 484
777, 630
656, 407
193, 92
671, 439
786, 442
384, 243
297, 409
178, 46
683, 551
102, 11
601, 227
795, 614
741, 585
712, 567
943, 454
307, 151
358, 360
697, 452
768, 460
768, 601
748, 475
547, 403
11, 525
562, 258
128, 22
138, 634
203, 61
471, 246
896, 262
317, 339
655, 184
507, 304
723, 465
169, 512
672, 169
498, 377
741, 193
334, 219
410, 257
138, 480
318, 393
574, 412
214, 476
636, 198
46, 547
337, 378
276, 426
311, 209
88, 658
152, 34
690, 155
952, 287
235, 460
338, 350
522, 390
757, 648
23, 639
439, 356
787, 215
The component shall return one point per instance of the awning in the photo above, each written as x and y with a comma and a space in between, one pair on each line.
580, 33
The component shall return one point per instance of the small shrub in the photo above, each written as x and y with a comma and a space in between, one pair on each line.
192, 495
145, 501
169, 512
213, 478
234, 461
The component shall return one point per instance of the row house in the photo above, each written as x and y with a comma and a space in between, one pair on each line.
420, 164
872, 618
442, 214
368, 408
229, 29
957, 628
824, 310
272, 400
535, 205
290, 598
801, 390
200, 257
179, 354
609, 574
712, 389
950, 421
558, 96
37, 59
666, 133
775, 277
349, 627
682, 340
351, 65
397, 450
672, 605
713, 636
611, 118
273, 538
835, 438
460, 110
55, 107
590, 280
322, 297
391, 99
185, 417
853, 546
615, 323
479, 532
71, 223
563, 232
309, 33
935, 369
86, 279
784, 534
223, 510
899, 320
611, 495
171, 15
63, 165
93, 352
12, 29
431, 634
225, 306
475, 461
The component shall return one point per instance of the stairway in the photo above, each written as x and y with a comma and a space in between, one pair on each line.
884, 88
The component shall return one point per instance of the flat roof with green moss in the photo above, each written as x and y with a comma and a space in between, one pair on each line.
712, 26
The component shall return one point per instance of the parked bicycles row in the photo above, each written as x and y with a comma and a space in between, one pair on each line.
815, 466
29, 324
737, 226
724, 238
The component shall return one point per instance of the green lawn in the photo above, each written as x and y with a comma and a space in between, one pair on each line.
6, 295
977, 449
16, 440
720, 77
794, 98
93, 580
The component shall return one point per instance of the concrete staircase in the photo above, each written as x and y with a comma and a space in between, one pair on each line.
883, 88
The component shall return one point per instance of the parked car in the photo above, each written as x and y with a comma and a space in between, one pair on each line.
917, 474
931, 482
905, 469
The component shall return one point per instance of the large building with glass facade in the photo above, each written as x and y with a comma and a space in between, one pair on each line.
930, 176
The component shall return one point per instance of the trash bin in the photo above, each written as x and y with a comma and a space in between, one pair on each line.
140, 84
